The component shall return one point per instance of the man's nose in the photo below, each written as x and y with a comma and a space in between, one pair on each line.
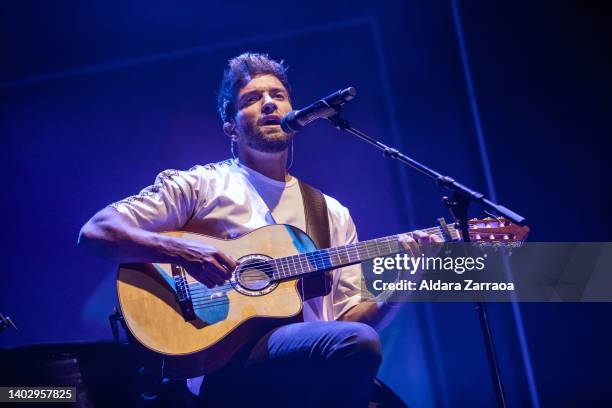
269, 105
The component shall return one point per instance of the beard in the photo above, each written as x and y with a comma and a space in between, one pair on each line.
271, 140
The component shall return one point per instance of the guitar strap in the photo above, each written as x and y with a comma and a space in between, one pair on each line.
317, 227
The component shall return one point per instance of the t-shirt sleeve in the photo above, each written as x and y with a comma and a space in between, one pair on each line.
169, 203
349, 288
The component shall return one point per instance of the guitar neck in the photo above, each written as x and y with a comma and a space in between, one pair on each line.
294, 266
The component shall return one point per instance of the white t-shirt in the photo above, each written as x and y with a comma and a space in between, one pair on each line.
228, 199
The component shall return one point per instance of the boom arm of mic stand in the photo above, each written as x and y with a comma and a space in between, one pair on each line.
5, 321
444, 181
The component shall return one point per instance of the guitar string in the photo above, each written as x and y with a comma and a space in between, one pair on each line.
244, 300
197, 289
307, 259
319, 259
275, 268
324, 254
349, 249
199, 302
225, 300
200, 293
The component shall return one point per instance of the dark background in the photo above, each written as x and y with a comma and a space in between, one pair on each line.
511, 98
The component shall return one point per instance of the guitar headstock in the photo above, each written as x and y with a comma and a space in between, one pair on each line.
496, 231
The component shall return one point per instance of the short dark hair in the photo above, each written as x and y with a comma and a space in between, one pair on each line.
240, 70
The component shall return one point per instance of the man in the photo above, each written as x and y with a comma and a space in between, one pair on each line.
329, 360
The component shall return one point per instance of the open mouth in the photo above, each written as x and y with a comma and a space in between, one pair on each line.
269, 120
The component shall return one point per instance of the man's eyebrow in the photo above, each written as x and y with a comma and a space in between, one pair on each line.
249, 93
256, 91
271, 89
278, 90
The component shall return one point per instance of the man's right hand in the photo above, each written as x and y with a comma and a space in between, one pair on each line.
205, 263
116, 237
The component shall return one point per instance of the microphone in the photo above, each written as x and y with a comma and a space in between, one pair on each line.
324, 108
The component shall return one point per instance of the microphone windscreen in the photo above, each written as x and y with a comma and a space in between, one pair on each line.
289, 123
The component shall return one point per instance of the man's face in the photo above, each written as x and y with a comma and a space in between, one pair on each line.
260, 105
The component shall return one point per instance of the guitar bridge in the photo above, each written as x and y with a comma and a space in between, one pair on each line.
183, 296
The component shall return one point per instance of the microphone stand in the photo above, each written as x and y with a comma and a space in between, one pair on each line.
5, 322
457, 205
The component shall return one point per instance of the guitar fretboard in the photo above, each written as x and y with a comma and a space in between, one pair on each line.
331, 258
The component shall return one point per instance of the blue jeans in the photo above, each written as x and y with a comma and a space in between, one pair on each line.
311, 364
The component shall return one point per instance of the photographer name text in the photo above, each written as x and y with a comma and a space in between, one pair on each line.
438, 285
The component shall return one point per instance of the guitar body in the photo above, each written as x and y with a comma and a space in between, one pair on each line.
196, 330
225, 319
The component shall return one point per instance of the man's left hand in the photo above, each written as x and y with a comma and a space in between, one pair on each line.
418, 242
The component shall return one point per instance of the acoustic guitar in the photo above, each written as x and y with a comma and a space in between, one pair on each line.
197, 330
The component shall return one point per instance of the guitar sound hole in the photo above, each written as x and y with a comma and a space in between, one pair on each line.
253, 276
253, 279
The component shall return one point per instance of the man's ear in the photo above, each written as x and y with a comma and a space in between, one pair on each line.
228, 129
